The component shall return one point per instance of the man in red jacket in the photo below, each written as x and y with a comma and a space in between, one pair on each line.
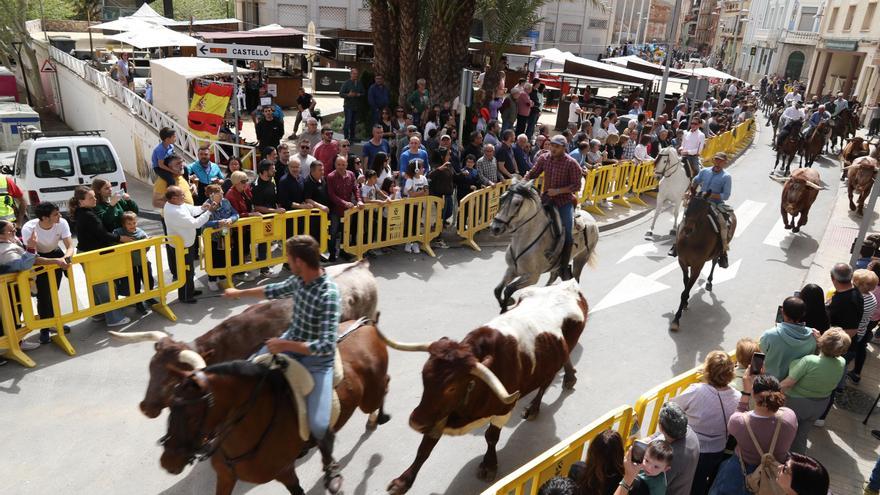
344, 194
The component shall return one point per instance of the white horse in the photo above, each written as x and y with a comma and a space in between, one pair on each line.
673, 184
533, 249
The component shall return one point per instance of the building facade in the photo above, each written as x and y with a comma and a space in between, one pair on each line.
326, 14
848, 58
733, 18
706, 22
780, 39
577, 26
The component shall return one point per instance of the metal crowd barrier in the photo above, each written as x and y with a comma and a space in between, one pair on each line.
643, 181
606, 182
116, 267
376, 225
476, 211
247, 243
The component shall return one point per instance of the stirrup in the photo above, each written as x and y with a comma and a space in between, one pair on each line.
673, 252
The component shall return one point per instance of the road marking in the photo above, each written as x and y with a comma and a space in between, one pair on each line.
671, 267
747, 213
639, 250
779, 237
721, 275
631, 287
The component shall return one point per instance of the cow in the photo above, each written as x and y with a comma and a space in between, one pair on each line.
798, 195
466, 383
855, 148
242, 335
860, 178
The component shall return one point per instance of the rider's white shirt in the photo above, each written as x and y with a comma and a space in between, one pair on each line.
692, 142
792, 113
792, 96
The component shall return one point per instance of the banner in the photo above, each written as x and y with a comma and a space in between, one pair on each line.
207, 108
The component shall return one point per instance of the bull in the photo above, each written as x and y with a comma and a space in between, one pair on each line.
855, 148
860, 178
242, 335
798, 195
466, 383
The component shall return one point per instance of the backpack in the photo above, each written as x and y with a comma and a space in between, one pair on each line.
762, 481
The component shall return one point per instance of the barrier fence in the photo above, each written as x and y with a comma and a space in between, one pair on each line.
375, 225
643, 182
629, 421
608, 182
247, 244
476, 210
112, 277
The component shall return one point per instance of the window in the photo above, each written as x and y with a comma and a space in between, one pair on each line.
808, 15
869, 16
364, 19
598, 23
333, 17
293, 15
54, 162
570, 33
769, 22
850, 14
250, 14
549, 31
95, 159
832, 22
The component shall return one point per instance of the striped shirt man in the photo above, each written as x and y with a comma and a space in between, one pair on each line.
316, 317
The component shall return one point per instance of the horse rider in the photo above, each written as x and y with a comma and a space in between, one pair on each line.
820, 115
793, 96
562, 180
840, 104
692, 143
311, 336
791, 114
716, 183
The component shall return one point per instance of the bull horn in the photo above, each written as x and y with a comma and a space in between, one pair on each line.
813, 185
483, 373
154, 336
403, 346
191, 358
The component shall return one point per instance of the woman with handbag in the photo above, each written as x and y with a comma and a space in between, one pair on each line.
763, 439
708, 405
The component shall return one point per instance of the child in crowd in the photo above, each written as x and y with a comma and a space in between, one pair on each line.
221, 218
649, 476
370, 190
130, 228
745, 348
416, 186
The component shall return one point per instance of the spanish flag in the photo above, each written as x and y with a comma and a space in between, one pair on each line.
207, 108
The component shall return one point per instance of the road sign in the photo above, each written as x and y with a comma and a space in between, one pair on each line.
48, 66
234, 52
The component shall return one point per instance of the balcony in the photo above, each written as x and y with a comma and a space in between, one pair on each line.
800, 38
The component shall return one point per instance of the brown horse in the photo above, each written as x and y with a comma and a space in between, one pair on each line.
773, 120
843, 125
241, 415
788, 148
812, 145
696, 243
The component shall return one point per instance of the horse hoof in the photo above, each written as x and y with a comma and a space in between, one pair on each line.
795, 229
709, 287
569, 383
852, 207
672, 232
787, 227
485, 473
673, 327
334, 485
530, 413
649, 235
397, 487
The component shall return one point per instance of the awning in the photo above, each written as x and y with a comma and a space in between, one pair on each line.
243, 35
146, 13
305, 50
193, 67
276, 27
125, 24
591, 68
600, 80
710, 73
154, 37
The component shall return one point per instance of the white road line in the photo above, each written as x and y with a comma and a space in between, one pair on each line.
779, 237
657, 275
747, 213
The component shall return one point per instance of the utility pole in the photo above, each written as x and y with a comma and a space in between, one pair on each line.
629, 26
676, 11
643, 20
622, 15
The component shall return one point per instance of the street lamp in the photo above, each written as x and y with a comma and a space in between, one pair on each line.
736, 34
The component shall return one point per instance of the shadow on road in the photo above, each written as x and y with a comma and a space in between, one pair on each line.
702, 330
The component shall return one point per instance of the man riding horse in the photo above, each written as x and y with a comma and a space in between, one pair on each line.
692, 143
840, 104
562, 180
820, 115
715, 183
311, 337
793, 116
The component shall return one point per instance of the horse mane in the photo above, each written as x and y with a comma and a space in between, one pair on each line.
247, 369
523, 188
696, 201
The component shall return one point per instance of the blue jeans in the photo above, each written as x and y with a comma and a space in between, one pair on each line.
320, 401
447, 206
533, 121
730, 479
874, 480
102, 295
348, 128
566, 215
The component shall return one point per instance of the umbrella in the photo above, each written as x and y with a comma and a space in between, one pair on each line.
154, 37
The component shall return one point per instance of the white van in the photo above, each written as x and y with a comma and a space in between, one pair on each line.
50, 165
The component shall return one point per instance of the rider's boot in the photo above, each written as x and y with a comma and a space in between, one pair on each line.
564, 261
722, 259
332, 470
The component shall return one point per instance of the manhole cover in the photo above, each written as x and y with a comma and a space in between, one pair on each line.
854, 400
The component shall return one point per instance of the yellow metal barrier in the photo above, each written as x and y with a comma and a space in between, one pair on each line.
243, 239
10, 317
376, 225
477, 209
607, 181
648, 406
643, 181
557, 460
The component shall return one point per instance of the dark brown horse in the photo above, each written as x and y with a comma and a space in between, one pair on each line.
773, 120
843, 125
241, 415
696, 243
788, 148
812, 145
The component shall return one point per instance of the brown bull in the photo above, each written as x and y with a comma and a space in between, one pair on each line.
855, 148
242, 335
466, 383
241, 415
798, 195
860, 179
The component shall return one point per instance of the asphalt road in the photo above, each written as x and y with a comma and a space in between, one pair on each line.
72, 425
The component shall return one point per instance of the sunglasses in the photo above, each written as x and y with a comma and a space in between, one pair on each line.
305, 147
344, 145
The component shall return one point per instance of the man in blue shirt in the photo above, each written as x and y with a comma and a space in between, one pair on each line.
414, 151
374, 146
378, 97
204, 172
716, 184
820, 115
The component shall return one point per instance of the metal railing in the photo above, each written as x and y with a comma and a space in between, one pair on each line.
187, 142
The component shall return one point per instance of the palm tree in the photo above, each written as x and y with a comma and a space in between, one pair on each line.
449, 35
384, 17
408, 34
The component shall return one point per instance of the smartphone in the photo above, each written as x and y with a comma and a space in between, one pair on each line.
638, 451
757, 362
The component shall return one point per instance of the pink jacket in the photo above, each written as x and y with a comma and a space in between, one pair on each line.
523, 104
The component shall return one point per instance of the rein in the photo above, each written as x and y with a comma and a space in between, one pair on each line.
537, 238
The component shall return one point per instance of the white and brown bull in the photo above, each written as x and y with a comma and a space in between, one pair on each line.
466, 383
240, 336
798, 195
860, 178
855, 148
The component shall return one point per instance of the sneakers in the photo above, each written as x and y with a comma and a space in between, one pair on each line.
212, 286
266, 273
854, 377
440, 243
122, 322
28, 346
99, 317
819, 423
415, 248
869, 490
408, 247
248, 276
45, 336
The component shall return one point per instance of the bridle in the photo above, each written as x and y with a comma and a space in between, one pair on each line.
667, 168
504, 201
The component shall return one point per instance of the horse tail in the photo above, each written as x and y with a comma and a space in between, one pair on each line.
591, 239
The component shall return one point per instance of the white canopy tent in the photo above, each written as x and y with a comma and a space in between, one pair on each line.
147, 13
171, 77
710, 73
125, 24
154, 37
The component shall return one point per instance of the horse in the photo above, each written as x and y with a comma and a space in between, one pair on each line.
696, 243
773, 119
673, 184
243, 417
812, 145
788, 149
840, 126
521, 213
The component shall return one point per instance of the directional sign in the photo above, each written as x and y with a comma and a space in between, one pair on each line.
234, 52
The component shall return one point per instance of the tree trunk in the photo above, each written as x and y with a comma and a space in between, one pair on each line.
409, 46
383, 19
448, 46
